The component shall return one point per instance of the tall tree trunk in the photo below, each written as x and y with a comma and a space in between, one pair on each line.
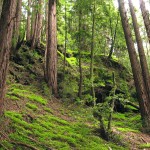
136, 69
92, 54
28, 33
33, 18
1, 4
40, 19
80, 57
65, 36
143, 61
36, 38
17, 25
113, 40
51, 55
6, 30
146, 19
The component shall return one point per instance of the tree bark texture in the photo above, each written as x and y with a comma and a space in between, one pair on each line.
136, 68
51, 53
36, 38
1, 4
80, 40
6, 30
146, 19
28, 33
143, 62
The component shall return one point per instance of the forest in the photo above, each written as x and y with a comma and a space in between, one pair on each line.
74, 74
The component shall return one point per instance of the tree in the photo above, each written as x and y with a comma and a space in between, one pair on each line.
17, 23
36, 37
136, 68
92, 53
6, 30
1, 3
143, 62
145, 15
51, 52
28, 30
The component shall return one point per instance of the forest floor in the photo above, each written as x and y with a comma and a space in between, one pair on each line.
35, 120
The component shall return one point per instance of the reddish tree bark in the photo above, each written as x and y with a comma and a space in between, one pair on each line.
51, 53
136, 69
6, 30
146, 19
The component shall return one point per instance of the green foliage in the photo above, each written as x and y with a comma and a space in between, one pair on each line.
20, 92
32, 106
147, 145
69, 89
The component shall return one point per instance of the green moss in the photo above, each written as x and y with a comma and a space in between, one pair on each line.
48, 110
37, 98
144, 146
127, 130
32, 106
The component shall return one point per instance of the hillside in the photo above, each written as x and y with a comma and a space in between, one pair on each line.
35, 120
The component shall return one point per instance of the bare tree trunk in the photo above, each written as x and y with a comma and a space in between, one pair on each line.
80, 57
92, 55
6, 30
40, 19
113, 40
136, 68
36, 38
65, 37
1, 4
33, 18
16, 30
28, 33
143, 61
146, 19
51, 55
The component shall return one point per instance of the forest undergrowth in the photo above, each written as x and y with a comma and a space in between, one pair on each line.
35, 120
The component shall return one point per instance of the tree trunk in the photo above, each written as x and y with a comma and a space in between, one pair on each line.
80, 57
36, 38
28, 33
40, 19
1, 4
51, 54
113, 40
6, 30
65, 37
92, 54
146, 19
136, 69
143, 61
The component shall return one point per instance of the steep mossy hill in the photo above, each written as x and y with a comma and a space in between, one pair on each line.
35, 120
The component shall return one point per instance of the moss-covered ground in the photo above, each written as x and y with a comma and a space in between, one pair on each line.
36, 124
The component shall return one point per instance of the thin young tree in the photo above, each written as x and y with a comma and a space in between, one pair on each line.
136, 68
6, 30
92, 53
51, 52
80, 55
